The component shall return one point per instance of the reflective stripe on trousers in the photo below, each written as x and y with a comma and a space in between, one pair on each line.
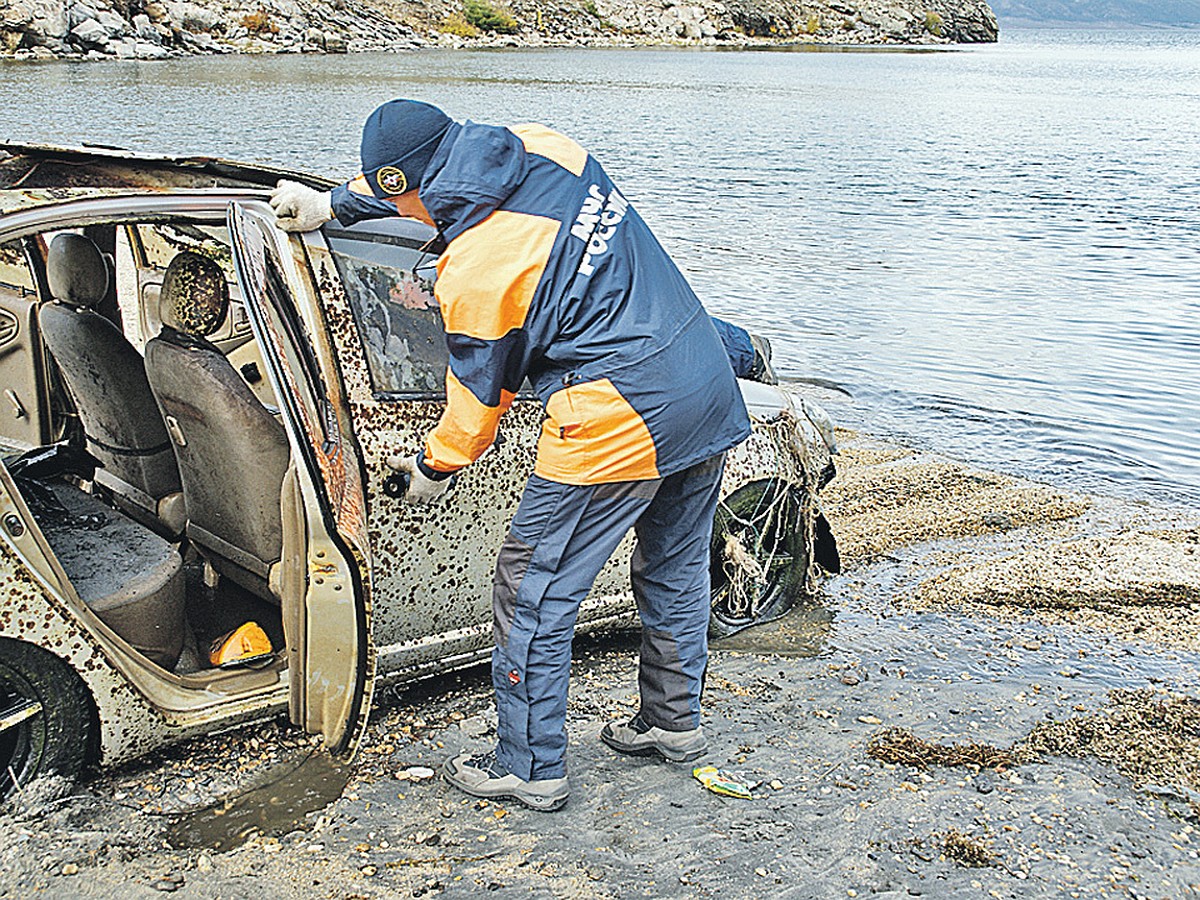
559, 539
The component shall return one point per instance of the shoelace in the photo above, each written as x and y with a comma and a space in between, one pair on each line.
638, 724
487, 762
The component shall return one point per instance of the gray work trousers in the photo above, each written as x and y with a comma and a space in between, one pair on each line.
559, 539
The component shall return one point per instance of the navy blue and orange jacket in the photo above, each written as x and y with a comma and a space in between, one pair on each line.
550, 273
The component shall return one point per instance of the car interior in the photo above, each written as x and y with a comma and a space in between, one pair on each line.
161, 476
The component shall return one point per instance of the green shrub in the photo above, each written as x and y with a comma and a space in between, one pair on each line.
813, 25
486, 17
933, 23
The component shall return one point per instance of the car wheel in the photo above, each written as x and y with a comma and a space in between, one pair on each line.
45, 717
759, 556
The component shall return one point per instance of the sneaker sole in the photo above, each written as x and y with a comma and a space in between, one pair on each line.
529, 801
653, 749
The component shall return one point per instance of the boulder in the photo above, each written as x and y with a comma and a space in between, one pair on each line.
16, 16
201, 41
112, 23
147, 50
90, 33
192, 16
145, 31
966, 21
78, 13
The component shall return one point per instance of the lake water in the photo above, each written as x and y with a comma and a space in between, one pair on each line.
995, 249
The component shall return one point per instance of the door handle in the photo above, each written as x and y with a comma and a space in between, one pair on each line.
396, 484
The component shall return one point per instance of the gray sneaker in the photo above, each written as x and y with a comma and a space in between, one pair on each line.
483, 776
637, 738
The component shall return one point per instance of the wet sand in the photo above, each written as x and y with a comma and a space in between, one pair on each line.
976, 610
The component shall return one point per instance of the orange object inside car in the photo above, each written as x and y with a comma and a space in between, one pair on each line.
246, 645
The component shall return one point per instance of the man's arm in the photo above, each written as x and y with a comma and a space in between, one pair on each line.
353, 202
486, 282
737, 346
749, 354
301, 208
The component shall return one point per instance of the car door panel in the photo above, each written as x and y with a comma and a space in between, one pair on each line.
328, 626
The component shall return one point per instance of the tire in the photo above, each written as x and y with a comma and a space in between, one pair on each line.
48, 714
766, 518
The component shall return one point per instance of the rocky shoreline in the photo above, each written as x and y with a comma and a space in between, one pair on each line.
165, 29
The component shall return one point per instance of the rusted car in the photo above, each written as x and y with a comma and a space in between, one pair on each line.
146, 510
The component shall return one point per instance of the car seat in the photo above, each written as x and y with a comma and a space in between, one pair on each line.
106, 377
232, 452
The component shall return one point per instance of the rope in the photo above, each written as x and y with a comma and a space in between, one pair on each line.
754, 545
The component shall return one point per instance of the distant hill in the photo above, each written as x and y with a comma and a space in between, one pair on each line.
1143, 12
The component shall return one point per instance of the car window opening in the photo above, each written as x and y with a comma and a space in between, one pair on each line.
390, 288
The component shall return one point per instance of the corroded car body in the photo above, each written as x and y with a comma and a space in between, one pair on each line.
335, 335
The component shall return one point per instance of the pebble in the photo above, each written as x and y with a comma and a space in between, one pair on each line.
850, 679
474, 726
1032, 645
870, 720
983, 784
204, 863
70, 869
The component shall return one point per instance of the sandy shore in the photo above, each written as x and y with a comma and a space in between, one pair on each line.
977, 613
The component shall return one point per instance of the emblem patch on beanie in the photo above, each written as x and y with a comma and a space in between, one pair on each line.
514, 677
392, 181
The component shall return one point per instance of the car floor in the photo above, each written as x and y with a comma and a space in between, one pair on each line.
213, 612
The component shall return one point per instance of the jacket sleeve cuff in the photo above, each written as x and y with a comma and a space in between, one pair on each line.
431, 474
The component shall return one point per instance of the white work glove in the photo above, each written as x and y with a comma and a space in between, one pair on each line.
422, 490
299, 207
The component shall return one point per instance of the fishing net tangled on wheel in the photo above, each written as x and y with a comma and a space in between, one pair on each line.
764, 537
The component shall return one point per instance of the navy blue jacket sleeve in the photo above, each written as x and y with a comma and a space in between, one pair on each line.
737, 345
351, 207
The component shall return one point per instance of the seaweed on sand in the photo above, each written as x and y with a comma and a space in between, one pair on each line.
899, 745
1151, 737
967, 850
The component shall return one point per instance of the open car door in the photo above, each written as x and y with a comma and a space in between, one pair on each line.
325, 598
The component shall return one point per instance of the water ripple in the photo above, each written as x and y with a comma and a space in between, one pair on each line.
994, 250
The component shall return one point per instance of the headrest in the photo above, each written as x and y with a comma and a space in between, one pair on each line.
76, 270
194, 295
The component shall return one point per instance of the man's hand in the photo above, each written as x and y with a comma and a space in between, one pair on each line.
422, 490
300, 208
